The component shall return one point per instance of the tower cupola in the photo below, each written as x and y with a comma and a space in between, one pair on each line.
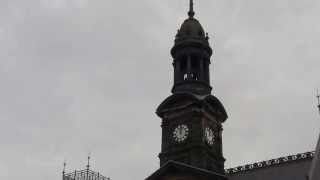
191, 53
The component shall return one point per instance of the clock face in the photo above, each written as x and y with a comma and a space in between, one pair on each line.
209, 134
180, 133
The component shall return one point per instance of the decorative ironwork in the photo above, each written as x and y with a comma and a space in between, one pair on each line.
271, 162
84, 175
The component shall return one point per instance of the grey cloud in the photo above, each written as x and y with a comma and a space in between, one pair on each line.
86, 76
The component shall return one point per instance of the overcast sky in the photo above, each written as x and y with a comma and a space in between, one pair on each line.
81, 76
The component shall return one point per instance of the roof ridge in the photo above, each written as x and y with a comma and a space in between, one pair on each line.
271, 162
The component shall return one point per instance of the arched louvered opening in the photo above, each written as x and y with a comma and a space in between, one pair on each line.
191, 67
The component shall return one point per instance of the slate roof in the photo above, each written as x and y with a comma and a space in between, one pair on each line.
314, 173
294, 167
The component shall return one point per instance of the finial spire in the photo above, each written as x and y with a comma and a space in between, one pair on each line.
64, 167
191, 12
88, 165
318, 97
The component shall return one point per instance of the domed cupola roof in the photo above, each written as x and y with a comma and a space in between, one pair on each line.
191, 28
191, 33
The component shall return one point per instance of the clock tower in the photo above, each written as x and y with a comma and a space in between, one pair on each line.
192, 117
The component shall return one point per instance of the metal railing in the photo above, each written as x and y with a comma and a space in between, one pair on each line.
84, 175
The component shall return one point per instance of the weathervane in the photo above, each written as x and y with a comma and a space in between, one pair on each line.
191, 12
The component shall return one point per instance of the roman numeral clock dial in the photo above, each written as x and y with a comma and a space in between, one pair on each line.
180, 133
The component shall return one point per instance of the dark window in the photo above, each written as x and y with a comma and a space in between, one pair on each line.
183, 64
